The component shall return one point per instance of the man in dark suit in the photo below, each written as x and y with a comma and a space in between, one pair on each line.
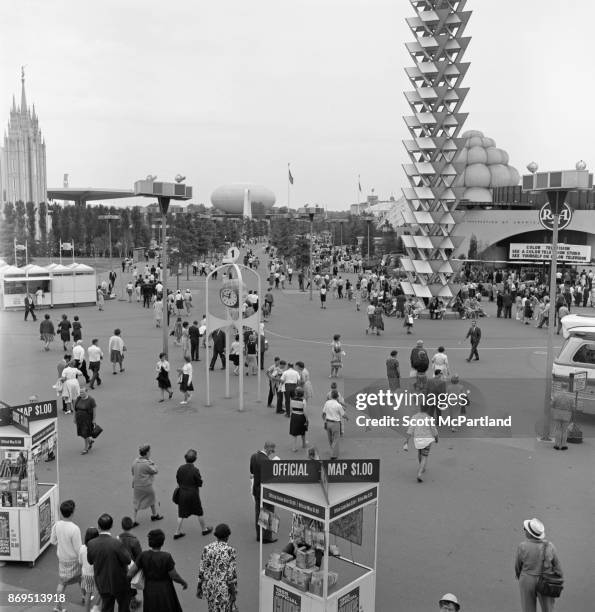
218, 348
29, 307
474, 335
110, 561
507, 304
194, 341
256, 462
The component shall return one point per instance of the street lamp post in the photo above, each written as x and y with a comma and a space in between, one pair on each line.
164, 192
369, 222
311, 215
556, 185
109, 219
556, 198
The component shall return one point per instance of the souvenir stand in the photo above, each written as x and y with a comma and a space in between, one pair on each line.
325, 559
28, 440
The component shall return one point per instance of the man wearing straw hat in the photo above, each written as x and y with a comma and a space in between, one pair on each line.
449, 603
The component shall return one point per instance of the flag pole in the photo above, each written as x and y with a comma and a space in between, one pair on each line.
288, 186
26, 253
72, 245
15, 253
60, 251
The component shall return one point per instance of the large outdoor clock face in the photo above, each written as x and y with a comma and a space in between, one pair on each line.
229, 297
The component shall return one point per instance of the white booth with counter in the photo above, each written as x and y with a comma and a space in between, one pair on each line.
75, 284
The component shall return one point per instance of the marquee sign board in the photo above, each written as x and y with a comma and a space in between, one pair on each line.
573, 253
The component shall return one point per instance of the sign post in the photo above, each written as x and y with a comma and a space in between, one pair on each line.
164, 192
554, 215
577, 381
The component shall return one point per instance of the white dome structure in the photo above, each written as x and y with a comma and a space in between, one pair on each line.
486, 167
230, 198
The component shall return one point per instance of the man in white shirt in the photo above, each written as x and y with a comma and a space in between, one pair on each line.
95, 356
78, 354
116, 350
66, 536
129, 290
290, 380
332, 415
323, 296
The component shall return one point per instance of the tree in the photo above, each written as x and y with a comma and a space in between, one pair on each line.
42, 212
283, 236
7, 229
472, 253
31, 226
389, 241
301, 252
21, 222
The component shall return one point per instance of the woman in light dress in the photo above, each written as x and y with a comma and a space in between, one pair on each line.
305, 382
70, 387
158, 310
440, 362
143, 475
337, 355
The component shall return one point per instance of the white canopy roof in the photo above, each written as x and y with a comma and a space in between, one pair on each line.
80, 267
11, 271
60, 269
34, 269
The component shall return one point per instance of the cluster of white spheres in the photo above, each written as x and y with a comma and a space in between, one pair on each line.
486, 166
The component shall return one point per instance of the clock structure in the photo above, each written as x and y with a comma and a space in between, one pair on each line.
229, 297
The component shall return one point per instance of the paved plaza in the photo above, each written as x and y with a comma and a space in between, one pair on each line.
456, 532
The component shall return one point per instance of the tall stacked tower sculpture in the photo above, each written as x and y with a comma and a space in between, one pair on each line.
431, 216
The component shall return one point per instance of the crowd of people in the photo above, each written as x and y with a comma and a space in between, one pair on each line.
338, 276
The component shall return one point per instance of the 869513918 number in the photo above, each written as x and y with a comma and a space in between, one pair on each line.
7, 598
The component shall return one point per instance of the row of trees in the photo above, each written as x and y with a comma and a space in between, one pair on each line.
289, 236
192, 234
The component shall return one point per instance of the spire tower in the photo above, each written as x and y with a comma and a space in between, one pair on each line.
434, 126
23, 97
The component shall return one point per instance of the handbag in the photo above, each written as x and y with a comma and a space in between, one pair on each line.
551, 583
96, 431
176, 496
138, 581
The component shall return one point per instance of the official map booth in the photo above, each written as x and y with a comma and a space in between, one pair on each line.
325, 517
28, 479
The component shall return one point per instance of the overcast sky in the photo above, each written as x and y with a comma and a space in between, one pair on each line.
231, 91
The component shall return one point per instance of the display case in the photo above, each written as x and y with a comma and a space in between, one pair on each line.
325, 515
29, 507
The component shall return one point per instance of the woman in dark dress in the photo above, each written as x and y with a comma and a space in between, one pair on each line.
298, 424
159, 570
188, 499
84, 417
64, 331
163, 380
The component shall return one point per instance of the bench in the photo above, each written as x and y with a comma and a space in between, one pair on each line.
449, 314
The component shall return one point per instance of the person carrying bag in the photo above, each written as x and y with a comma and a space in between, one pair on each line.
550, 582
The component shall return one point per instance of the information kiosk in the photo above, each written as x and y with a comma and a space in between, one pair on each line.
29, 507
325, 516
